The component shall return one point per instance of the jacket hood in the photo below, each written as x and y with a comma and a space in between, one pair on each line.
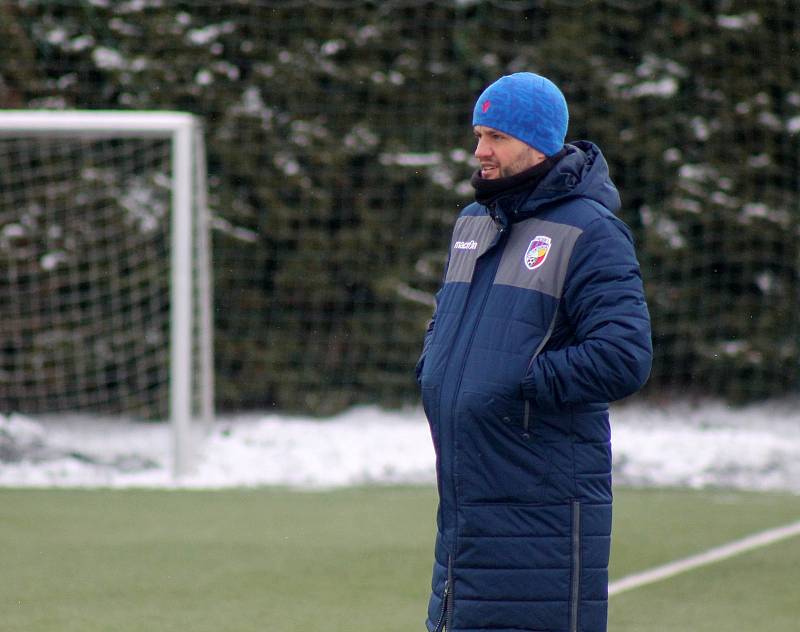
582, 173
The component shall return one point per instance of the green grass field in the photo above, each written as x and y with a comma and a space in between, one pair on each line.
350, 561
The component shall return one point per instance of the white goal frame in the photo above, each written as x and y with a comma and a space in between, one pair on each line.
188, 197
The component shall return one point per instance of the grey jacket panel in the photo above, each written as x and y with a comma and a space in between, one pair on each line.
535, 258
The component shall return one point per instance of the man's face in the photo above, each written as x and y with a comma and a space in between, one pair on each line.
501, 155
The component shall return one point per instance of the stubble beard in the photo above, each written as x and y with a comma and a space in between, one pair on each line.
525, 160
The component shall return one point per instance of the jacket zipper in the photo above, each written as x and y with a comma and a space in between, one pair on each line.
501, 231
445, 598
448, 601
576, 566
450, 597
446, 613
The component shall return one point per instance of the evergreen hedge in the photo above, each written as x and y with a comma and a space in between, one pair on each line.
339, 147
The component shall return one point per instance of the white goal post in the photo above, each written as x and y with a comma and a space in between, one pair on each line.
189, 327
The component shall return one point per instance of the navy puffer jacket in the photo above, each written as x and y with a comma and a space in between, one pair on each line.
540, 322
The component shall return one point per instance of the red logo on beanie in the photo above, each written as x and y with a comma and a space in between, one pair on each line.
486, 105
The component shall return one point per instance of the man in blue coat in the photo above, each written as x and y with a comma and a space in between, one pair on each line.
540, 322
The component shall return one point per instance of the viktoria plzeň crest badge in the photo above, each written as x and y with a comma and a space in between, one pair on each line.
537, 252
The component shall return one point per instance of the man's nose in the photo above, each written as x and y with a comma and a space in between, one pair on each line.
482, 149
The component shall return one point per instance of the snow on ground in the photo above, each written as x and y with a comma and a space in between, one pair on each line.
755, 448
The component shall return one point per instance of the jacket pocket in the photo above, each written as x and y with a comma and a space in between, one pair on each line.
500, 409
522, 423
500, 460
526, 382
526, 419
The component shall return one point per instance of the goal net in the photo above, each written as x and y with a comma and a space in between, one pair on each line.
104, 269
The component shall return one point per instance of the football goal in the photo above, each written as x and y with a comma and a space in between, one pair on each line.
105, 292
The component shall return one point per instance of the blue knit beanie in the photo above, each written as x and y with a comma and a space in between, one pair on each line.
528, 107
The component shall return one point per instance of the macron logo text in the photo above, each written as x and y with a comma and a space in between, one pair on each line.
465, 245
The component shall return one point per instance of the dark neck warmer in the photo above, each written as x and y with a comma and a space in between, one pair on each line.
488, 191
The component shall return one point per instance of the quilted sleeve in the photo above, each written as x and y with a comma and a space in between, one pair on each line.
611, 352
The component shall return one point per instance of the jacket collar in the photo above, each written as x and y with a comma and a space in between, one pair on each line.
503, 197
